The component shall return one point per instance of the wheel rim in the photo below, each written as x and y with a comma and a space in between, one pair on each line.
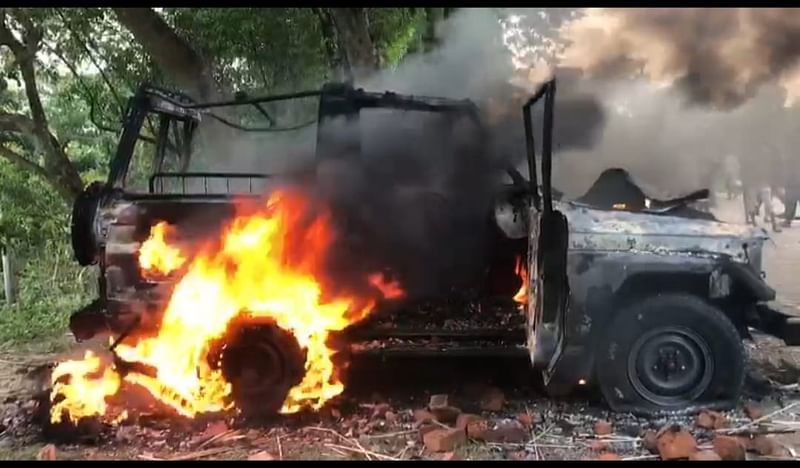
670, 365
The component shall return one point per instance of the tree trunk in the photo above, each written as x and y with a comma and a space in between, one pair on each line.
354, 41
173, 55
57, 168
336, 61
432, 17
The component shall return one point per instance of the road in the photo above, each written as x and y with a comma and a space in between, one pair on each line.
781, 254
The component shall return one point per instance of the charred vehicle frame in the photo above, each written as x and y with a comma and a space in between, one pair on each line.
649, 300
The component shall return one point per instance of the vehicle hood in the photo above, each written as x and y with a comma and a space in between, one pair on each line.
620, 230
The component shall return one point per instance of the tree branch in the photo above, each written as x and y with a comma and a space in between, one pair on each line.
81, 42
17, 123
63, 174
171, 52
24, 163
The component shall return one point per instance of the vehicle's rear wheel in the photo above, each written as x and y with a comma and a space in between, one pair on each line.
670, 352
262, 362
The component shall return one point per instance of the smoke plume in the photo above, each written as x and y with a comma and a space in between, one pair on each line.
715, 56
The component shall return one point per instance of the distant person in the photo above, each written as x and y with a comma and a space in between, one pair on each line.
757, 192
730, 173
792, 191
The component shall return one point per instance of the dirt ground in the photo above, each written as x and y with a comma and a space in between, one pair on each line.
380, 416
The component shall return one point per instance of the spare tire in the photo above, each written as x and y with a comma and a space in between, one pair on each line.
670, 352
84, 243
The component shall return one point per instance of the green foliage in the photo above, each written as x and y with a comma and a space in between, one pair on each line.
395, 31
51, 287
275, 50
87, 68
34, 225
32, 215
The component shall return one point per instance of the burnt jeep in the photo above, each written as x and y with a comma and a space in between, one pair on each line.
648, 299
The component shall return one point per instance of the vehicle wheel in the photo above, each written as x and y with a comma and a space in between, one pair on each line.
670, 352
262, 362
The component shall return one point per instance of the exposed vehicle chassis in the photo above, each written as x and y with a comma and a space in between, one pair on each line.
647, 299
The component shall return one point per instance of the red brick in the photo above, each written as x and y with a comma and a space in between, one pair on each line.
526, 420
676, 444
48, 452
493, 399
603, 428
464, 419
705, 455
426, 428
762, 445
609, 457
711, 420
729, 448
437, 401
598, 446
444, 440
422, 416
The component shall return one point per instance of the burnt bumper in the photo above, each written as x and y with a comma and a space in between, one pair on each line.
774, 321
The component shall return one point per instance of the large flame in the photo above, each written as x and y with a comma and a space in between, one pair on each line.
267, 264
156, 256
521, 297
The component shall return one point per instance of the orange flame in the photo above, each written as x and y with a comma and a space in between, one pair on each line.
267, 265
156, 257
390, 290
521, 296
84, 385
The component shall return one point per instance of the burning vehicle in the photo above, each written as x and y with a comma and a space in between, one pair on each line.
649, 300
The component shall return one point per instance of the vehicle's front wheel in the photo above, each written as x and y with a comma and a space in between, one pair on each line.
670, 352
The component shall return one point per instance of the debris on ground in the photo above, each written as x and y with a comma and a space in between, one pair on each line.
753, 411
675, 443
260, 455
493, 399
441, 410
711, 420
444, 440
602, 428
728, 447
48, 452
705, 455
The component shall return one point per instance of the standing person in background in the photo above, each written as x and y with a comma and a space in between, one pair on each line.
731, 174
757, 178
792, 189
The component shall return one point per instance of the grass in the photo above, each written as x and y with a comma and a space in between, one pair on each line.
9, 450
51, 288
43, 321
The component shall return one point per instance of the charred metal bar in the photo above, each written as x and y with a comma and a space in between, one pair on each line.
455, 335
256, 100
547, 145
466, 351
531, 150
205, 175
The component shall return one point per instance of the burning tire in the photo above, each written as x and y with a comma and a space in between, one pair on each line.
670, 352
262, 362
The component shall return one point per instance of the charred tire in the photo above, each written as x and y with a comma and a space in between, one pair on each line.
262, 363
84, 244
670, 352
